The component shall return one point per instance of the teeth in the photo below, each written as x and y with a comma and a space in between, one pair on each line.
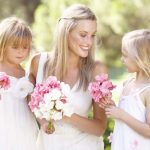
86, 48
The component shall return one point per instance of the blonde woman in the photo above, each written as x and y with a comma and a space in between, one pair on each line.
72, 61
132, 126
18, 127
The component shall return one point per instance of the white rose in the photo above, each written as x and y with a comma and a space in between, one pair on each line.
65, 89
59, 105
37, 113
57, 115
22, 88
55, 94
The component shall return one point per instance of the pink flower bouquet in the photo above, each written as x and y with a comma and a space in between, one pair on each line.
101, 88
50, 100
4, 81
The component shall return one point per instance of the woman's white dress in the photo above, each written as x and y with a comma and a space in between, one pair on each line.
66, 136
18, 127
124, 137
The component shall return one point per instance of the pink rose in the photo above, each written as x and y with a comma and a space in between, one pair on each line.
101, 88
4, 80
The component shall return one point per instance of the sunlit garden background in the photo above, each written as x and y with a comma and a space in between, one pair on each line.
115, 17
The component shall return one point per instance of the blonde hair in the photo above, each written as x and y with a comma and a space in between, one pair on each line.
57, 62
137, 44
14, 31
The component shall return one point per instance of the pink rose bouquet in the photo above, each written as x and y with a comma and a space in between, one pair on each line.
50, 100
4, 81
101, 88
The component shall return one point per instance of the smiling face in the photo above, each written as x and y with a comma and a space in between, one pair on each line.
81, 38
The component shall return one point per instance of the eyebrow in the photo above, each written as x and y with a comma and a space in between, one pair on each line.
87, 32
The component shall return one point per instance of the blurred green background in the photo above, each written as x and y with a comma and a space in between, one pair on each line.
115, 17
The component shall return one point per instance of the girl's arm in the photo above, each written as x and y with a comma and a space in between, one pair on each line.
97, 125
140, 127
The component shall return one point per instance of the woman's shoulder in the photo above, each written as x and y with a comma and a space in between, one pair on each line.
99, 68
35, 58
34, 66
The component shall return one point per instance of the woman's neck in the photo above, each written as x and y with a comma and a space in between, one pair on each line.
73, 62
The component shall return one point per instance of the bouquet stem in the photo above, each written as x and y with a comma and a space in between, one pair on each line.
51, 126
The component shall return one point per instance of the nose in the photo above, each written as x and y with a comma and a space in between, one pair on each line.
89, 40
20, 50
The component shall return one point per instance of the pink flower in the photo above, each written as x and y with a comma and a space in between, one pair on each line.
4, 80
48, 100
110, 137
101, 88
134, 144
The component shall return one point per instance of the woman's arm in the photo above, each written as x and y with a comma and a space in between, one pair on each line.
97, 125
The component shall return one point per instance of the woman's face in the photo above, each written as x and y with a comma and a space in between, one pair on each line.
81, 38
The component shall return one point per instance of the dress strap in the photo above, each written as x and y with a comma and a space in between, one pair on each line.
144, 88
43, 59
127, 82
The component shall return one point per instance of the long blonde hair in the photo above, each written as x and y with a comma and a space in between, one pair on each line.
14, 31
137, 44
57, 62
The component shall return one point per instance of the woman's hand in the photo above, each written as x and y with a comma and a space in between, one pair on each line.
45, 126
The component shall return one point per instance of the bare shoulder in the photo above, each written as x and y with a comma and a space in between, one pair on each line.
35, 59
34, 67
99, 68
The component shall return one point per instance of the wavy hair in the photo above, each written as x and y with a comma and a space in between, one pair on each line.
58, 59
14, 31
137, 44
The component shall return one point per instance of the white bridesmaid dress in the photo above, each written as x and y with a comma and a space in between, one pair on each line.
124, 137
18, 126
66, 136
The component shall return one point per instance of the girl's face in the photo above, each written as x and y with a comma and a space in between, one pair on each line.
81, 38
128, 62
16, 54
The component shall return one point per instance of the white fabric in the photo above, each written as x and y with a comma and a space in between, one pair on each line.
66, 136
18, 127
42, 61
124, 137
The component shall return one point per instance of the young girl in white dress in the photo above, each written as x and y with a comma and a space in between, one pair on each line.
18, 127
72, 62
132, 117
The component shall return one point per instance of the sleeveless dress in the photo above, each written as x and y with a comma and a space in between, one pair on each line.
66, 136
18, 127
124, 137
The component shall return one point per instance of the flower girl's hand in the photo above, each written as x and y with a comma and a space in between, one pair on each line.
113, 112
106, 102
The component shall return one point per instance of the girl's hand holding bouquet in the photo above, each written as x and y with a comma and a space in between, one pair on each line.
50, 101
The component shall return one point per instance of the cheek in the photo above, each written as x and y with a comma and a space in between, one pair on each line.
74, 42
27, 51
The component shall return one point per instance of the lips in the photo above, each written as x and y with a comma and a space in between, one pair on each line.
85, 48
